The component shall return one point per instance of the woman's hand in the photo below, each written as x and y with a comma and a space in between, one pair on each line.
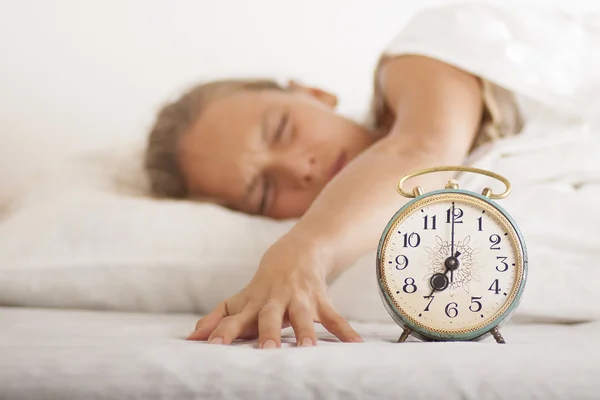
289, 288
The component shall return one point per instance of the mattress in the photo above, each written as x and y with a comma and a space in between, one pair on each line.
63, 354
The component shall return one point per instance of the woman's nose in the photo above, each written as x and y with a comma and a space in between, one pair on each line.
298, 167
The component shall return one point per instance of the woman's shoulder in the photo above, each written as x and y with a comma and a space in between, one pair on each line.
435, 34
500, 116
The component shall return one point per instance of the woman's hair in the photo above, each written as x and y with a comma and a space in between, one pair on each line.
174, 120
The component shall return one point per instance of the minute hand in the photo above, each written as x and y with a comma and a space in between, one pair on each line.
452, 244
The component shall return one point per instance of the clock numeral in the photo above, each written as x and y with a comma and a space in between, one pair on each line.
505, 265
426, 222
452, 310
495, 240
474, 301
458, 214
409, 285
495, 287
428, 304
401, 262
480, 219
412, 240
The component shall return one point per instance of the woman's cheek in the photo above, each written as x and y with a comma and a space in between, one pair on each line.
292, 204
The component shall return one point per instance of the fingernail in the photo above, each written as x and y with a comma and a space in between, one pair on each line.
269, 344
306, 342
190, 335
216, 340
357, 339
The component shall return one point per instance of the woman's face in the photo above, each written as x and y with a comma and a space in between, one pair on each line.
269, 152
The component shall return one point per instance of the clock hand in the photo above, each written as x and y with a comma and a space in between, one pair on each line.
457, 263
439, 281
451, 264
452, 243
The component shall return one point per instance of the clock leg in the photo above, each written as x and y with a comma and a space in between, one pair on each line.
496, 334
404, 336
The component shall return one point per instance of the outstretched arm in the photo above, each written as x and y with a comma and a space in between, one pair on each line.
438, 110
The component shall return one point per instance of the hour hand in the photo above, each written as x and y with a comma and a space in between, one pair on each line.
438, 282
451, 264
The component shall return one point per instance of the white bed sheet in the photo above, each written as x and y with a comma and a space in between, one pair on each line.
63, 354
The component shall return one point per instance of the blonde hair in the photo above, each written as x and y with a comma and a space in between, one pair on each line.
174, 120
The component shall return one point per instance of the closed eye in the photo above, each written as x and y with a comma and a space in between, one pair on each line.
281, 127
264, 196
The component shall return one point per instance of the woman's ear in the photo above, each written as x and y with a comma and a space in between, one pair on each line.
323, 96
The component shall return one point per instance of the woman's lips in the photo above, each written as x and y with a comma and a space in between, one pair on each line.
337, 165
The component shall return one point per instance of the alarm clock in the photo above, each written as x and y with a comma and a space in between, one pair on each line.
451, 263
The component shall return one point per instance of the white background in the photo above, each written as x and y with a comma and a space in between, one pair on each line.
78, 75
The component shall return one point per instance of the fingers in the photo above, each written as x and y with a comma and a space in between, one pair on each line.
220, 328
206, 325
270, 320
302, 320
230, 328
336, 324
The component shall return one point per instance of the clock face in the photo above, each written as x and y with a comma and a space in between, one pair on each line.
451, 264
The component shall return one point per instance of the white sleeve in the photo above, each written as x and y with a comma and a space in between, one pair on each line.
544, 55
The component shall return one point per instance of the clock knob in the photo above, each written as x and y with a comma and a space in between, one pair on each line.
452, 184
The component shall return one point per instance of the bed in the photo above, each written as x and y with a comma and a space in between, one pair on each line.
74, 354
99, 288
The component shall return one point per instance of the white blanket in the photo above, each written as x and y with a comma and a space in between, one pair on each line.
115, 356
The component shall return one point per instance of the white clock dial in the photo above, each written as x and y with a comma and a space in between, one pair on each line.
451, 297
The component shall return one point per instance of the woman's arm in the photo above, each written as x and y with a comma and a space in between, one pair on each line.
438, 110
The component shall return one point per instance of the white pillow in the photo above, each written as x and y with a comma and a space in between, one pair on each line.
78, 241
86, 236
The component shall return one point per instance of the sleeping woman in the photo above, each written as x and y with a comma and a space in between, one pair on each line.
282, 151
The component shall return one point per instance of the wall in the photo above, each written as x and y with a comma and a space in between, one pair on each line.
78, 75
